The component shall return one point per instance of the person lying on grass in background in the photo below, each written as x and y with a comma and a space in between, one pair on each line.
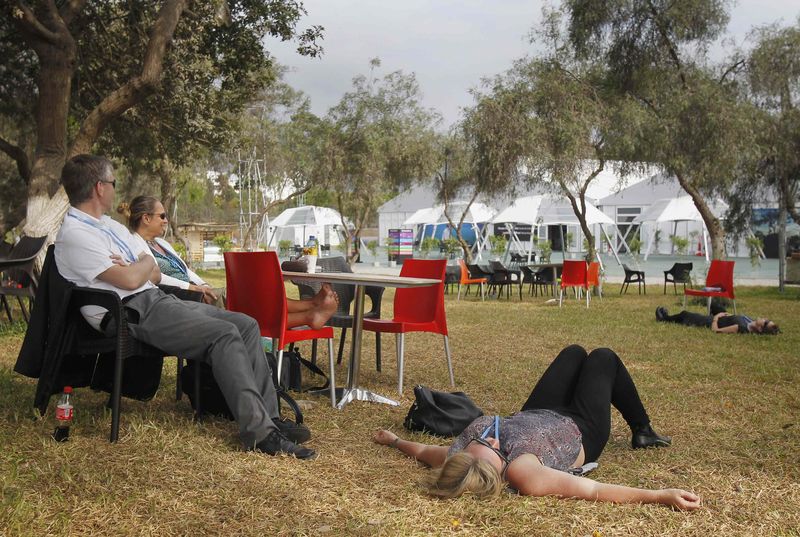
720, 322
565, 423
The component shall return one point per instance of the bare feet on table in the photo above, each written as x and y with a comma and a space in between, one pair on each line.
325, 309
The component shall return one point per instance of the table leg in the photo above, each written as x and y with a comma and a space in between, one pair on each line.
352, 392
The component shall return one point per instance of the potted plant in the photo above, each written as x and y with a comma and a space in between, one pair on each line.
428, 244
545, 250
451, 247
681, 244
372, 246
498, 245
284, 246
754, 247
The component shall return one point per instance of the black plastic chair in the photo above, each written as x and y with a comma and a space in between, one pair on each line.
633, 276
452, 276
342, 318
503, 277
543, 278
17, 276
679, 273
81, 340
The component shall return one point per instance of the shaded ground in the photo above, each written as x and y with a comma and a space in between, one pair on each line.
731, 404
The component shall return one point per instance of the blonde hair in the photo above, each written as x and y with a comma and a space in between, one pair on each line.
462, 473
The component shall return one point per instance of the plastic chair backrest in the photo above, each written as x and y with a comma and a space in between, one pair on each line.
720, 274
593, 274
255, 288
422, 304
464, 272
680, 271
574, 273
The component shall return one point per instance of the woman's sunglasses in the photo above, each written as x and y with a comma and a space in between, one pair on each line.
485, 443
162, 216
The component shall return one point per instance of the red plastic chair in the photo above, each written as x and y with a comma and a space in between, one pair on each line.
720, 275
255, 288
573, 275
466, 280
593, 277
417, 309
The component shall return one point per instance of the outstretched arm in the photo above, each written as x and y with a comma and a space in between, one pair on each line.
431, 455
530, 477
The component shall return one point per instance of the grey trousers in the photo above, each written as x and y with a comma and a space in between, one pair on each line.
230, 342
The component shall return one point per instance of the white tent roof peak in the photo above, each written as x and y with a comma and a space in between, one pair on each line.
678, 210
548, 210
478, 213
308, 215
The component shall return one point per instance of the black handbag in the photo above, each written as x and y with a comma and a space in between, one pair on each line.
212, 402
441, 413
292, 371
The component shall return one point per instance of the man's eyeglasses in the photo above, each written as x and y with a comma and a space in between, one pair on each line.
162, 216
113, 183
485, 443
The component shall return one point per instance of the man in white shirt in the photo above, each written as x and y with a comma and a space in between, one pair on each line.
92, 250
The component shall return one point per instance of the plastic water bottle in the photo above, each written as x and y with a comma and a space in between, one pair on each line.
63, 416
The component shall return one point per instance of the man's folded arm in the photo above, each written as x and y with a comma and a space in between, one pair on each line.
133, 276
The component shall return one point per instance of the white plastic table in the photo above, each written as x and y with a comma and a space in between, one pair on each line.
354, 392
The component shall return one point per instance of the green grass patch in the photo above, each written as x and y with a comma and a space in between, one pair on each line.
730, 402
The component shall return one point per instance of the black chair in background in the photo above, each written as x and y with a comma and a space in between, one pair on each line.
633, 276
17, 277
679, 273
503, 277
452, 276
546, 278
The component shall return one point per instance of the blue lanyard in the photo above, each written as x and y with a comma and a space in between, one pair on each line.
129, 257
496, 426
174, 262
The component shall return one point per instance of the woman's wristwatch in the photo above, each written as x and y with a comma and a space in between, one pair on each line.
394, 442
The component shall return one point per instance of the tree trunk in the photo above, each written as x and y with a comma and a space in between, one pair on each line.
716, 235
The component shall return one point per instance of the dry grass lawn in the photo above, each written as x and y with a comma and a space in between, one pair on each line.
731, 404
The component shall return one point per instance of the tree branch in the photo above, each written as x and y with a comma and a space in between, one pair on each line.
137, 88
730, 70
19, 156
70, 9
29, 23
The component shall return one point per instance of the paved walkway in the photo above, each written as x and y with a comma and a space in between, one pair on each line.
744, 274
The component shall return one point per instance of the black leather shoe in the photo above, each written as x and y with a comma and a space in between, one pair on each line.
276, 443
661, 313
296, 432
645, 437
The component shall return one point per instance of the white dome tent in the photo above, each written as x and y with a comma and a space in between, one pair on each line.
674, 210
299, 223
478, 213
548, 210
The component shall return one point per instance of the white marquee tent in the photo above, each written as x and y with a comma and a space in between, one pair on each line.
478, 213
299, 223
674, 210
548, 210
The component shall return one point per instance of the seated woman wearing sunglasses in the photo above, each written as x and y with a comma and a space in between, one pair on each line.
148, 219
565, 423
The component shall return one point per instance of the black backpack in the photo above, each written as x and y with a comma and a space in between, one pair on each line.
212, 402
440, 413
292, 372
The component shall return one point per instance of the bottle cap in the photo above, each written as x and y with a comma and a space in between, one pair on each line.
67, 389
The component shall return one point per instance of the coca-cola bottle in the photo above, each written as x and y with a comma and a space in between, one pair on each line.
63, 416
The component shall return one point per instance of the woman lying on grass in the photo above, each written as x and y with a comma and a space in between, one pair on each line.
721, 322
565, 423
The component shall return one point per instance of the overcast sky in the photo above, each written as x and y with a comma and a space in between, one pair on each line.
449, 44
